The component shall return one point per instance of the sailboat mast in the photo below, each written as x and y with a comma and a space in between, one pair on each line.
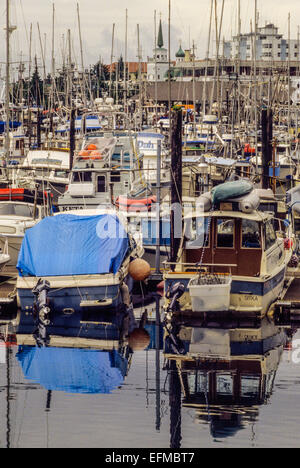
111, 59
52, 71
289, 72
206, 65
194, 91
255, 84
7, 110
155, 66
44, 64
239, 67
69, 94
139, 78
125, 61
81, 57
169, 74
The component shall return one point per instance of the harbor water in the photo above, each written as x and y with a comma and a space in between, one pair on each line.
62, 396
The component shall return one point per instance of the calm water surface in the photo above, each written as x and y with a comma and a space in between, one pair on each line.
45, 400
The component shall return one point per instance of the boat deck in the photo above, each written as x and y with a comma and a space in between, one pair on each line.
8, 293
289, 302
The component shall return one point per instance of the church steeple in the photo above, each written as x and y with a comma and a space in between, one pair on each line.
160, 40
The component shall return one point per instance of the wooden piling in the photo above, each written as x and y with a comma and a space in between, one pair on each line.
176, 181
267, 150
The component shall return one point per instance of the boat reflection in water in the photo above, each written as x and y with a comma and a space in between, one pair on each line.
224, 371
94, 358
52, 362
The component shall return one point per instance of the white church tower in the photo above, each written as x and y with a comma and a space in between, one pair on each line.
158, 66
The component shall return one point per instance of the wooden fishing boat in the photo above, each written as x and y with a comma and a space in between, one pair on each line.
231, 236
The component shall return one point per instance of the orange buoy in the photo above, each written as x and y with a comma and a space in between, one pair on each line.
139, 269
139, 339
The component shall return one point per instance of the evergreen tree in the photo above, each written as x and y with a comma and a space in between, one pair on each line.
36, 87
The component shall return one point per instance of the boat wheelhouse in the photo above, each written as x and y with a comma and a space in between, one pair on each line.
47, 168
15, 218
96, 179
224, 242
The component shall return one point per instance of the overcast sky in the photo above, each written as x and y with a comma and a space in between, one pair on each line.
189, 19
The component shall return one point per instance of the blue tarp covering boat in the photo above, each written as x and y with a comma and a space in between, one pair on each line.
67, 245
13, 124
73, 370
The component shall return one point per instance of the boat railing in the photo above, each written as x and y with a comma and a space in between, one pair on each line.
195, 267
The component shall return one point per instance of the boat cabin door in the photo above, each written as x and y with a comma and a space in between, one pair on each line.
224, 248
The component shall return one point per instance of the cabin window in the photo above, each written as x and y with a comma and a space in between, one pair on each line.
7, 209
115, 177
270, 236
250, 234
198, 382
197, 233
224, 384
297, 225
85, 176
250, 385
101, 184
225, 233
61, 174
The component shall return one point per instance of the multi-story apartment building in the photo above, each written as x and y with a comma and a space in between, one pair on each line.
270, 46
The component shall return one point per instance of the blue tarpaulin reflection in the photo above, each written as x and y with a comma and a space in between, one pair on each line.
73, 370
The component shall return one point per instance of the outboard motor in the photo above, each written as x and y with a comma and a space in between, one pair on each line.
173, 343
174, 293
41, 301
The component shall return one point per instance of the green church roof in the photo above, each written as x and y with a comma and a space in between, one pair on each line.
180, 53
160, 40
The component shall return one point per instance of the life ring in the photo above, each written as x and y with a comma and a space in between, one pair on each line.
135, 204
